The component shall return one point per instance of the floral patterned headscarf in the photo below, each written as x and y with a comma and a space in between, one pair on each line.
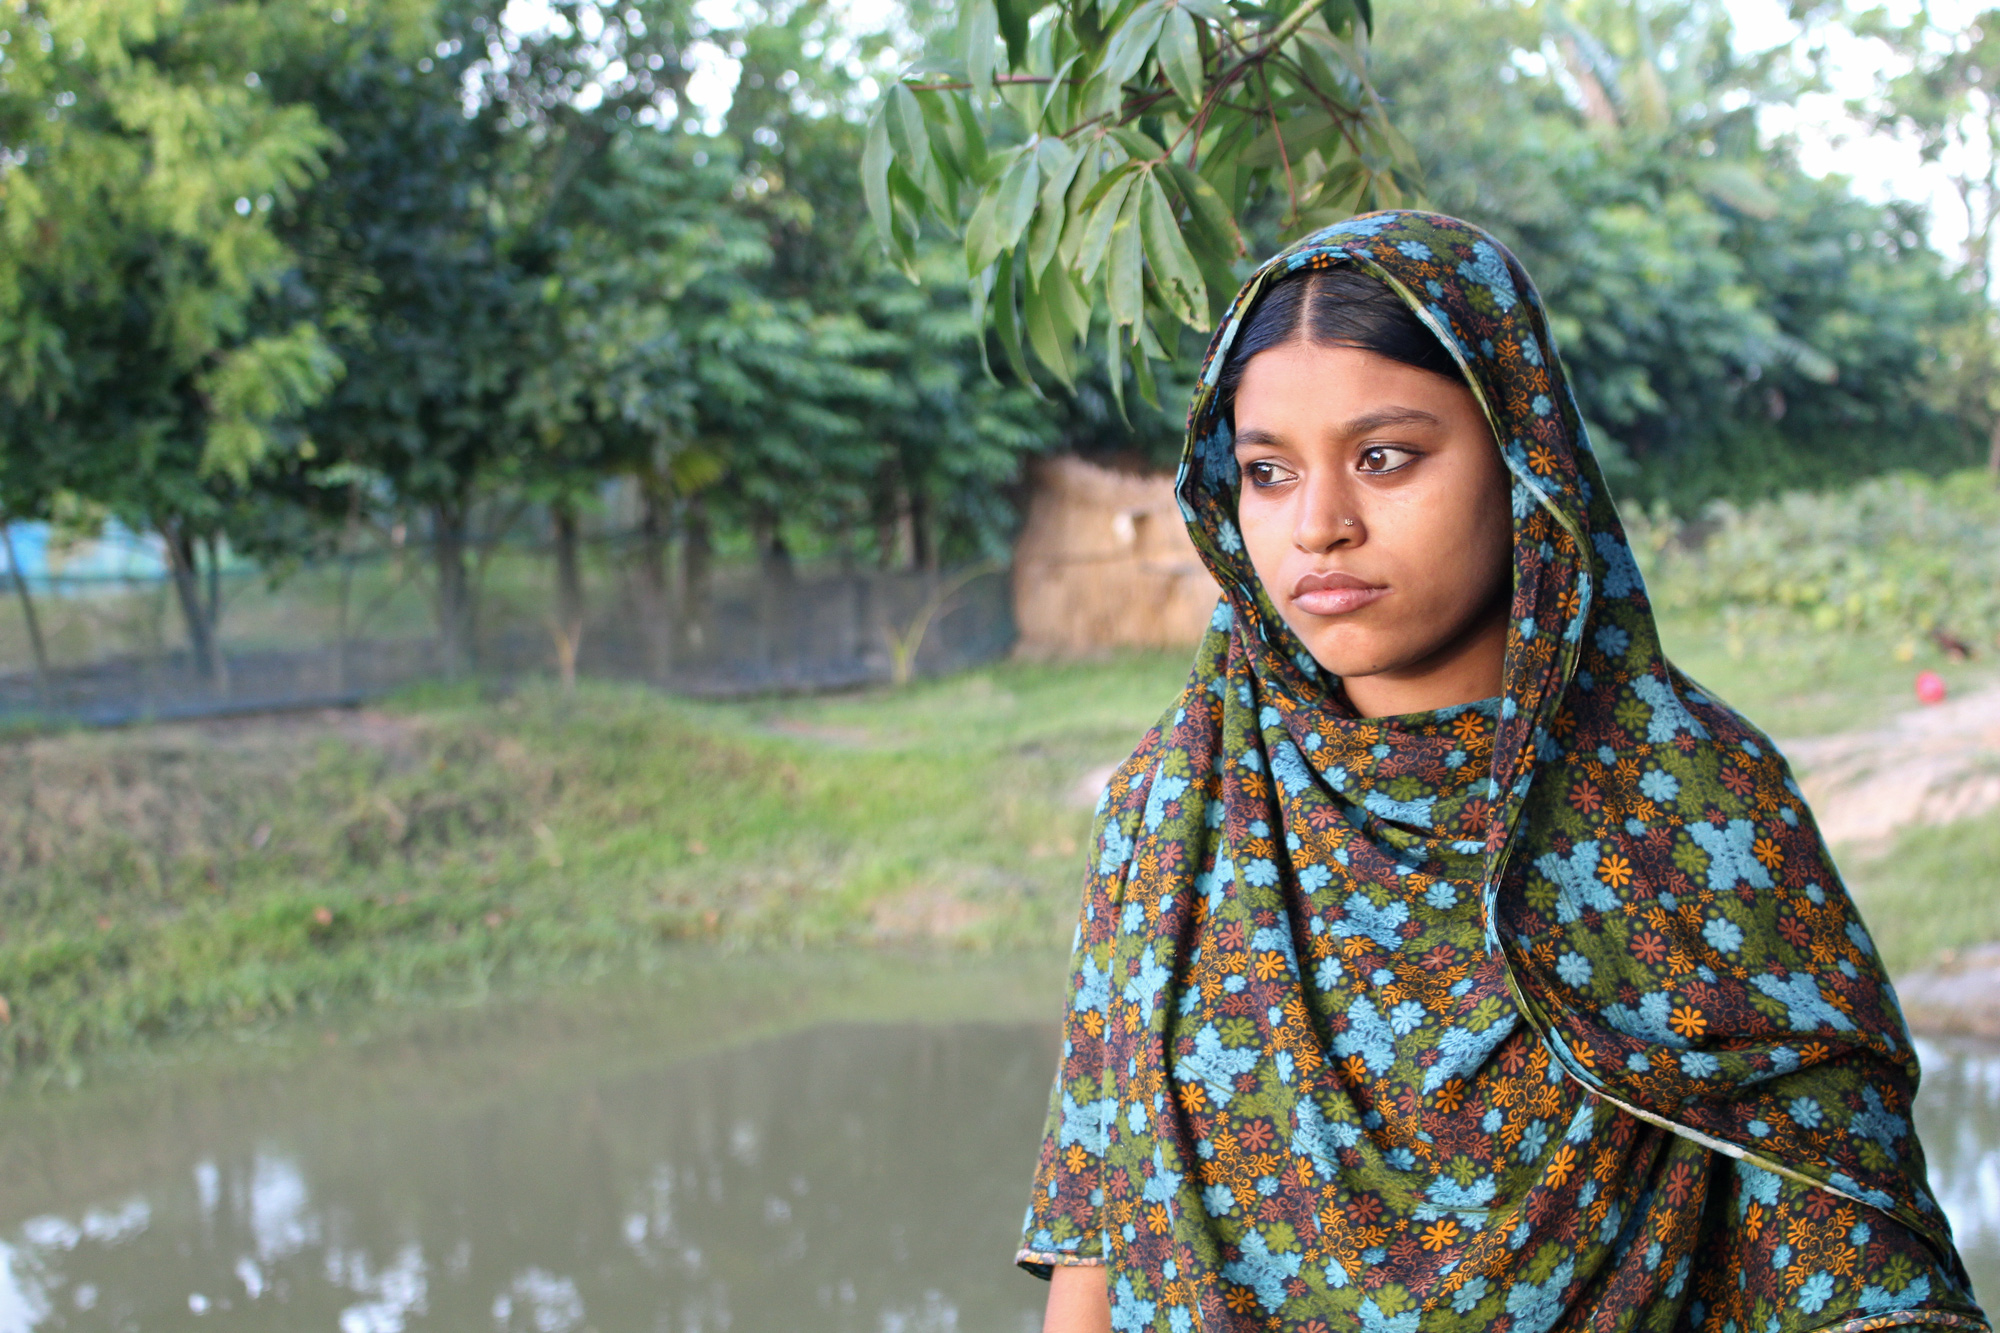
1650, 918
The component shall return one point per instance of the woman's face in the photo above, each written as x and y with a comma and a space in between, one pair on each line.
1375, 509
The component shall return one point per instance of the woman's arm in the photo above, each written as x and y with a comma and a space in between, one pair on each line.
1078, 1300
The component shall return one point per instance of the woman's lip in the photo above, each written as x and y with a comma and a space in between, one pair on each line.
1320, 600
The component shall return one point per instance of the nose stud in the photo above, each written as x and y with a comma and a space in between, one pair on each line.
1347, 522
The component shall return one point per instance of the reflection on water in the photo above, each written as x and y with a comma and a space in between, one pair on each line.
839, 1176
1958, 1114
852, 1177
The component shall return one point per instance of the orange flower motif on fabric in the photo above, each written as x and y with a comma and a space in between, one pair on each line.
1687, 1021
1440, 1235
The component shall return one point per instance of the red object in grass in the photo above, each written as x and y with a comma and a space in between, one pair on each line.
1930, 687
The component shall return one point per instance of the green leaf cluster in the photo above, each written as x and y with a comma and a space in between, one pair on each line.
1734, 326
281, 272
1097, 158
1903, 554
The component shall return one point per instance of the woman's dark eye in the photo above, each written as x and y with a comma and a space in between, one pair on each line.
1380, 459
1262, 474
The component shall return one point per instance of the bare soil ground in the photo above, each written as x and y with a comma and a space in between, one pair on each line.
1930, 766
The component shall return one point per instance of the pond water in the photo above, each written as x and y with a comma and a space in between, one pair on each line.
755, 1146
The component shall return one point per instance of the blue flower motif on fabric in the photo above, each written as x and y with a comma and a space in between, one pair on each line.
1488, 269
1815, 1291
1416, 813
1146, 985
1129, 1314
1537, 1305
1262, 1271
1289, 767
1370, 224
1805, 1007
1461, 1051
1093, 989
1670, 715
1723, 935
1116, 849
1373, 1320
1383, 924
1406, 1018
1087, 1124
1646, 1020
1576, 881
1367, 1036
1320, 1138
1214, 1065
1621, 571
1656, 784
1731, 856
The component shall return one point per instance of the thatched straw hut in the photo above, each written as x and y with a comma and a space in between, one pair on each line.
1105, 562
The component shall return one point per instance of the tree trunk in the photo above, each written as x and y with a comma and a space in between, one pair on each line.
923, 551
697, 556
1993, 448
212, 544
196, 612
655, 600
774, 558
342, 625
774, 592
454, 587
888, 515
35, 641
569, 574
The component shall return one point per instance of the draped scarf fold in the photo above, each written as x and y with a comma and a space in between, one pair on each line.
1347, 991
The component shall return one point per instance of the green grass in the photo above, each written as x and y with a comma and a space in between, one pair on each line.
1935, 889
183, 879
177, 880
1792, 682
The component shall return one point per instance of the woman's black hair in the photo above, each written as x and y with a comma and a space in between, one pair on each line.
1333, 307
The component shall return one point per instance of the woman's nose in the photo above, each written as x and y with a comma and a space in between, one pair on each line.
1326, 519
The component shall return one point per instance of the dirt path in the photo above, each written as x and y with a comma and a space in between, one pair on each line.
1928, 766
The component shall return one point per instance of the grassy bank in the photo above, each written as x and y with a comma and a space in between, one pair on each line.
182, 879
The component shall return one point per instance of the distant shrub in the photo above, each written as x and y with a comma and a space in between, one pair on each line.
1899, 554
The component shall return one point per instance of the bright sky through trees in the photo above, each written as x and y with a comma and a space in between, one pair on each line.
1831, 140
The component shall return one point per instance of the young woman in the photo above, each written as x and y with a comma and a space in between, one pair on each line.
1449, 961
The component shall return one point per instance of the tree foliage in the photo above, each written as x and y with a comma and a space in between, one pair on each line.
272, 271
1734, 326
282, 268
1096, 157
1940, 87
145, 360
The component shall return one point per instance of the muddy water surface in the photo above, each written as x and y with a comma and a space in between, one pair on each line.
761, 1145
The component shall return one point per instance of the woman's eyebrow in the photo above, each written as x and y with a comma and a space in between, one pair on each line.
1254, 437
1388, 416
